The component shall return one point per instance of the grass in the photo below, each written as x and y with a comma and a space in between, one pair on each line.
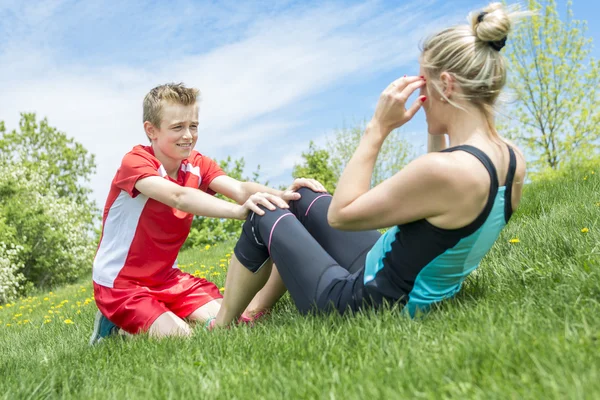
526, 325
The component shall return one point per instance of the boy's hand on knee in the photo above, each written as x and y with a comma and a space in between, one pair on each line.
269, 201
312, 184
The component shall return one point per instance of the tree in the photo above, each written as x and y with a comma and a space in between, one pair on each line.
69, 163
395, 153
47, 219
326, 165
317, 165
556, 82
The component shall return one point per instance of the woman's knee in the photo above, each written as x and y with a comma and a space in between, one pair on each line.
308, 199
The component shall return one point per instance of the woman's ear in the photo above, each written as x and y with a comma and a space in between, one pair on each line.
447, 84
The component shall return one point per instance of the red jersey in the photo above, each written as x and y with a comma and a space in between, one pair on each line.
141, 237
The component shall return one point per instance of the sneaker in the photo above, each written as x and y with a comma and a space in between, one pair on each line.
102, 328
250, 320
209, 325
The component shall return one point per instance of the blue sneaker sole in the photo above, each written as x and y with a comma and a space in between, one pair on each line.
97, 333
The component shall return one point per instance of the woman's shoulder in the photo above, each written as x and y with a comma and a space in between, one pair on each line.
521, 168
452, 174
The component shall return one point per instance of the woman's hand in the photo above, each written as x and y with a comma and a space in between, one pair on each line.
391, 111
270, 201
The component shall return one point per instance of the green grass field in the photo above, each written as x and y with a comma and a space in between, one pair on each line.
526, 325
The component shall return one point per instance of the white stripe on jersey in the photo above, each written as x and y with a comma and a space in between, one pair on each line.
162, 171
192, 170
119, 231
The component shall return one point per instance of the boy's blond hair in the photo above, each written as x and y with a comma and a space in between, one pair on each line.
170, 92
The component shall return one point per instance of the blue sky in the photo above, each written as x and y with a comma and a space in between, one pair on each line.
273, 74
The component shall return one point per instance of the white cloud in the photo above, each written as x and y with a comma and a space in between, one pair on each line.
250, 85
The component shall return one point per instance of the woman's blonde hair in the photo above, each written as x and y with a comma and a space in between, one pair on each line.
471, 55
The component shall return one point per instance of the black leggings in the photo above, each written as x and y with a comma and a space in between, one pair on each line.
321, 267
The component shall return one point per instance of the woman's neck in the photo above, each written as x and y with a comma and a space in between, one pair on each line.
465, 127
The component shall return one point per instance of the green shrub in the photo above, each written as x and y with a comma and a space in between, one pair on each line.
49, 239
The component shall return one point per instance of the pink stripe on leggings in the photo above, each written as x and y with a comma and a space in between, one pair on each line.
313, 202
273, 228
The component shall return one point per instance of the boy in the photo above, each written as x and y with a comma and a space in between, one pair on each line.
148, 214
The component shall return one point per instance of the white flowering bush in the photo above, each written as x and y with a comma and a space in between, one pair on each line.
53, 234
11, 279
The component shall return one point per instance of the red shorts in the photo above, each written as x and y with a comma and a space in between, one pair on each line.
135, 308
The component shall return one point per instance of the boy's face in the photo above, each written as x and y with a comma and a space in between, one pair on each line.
178, 131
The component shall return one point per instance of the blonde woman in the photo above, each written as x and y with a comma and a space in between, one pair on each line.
446, 208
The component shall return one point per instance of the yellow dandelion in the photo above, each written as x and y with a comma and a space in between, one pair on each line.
78, 312
8, 324
68, 322
25, 321
1, 307
585, 178
585, 230
46, 299
514, 240
47, 321
222, 289
207, 247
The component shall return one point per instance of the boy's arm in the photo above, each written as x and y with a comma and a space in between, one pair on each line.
241, 191
197, 202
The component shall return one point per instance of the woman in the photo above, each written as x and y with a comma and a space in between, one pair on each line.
447, 208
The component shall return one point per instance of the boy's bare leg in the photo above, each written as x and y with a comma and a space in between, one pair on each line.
268, 295
241, 286
209, 310
169, 324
